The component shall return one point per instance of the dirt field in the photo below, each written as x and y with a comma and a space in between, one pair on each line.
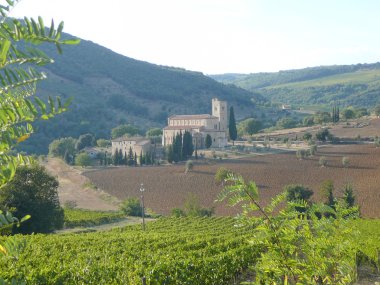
76, 187
168, 186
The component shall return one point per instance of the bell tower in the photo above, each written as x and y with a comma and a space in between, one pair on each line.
219, 109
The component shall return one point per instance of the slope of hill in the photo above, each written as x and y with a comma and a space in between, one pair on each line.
110, 89
357, 85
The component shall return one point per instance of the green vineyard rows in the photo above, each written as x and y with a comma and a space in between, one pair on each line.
86, 218
193, 251
171, 251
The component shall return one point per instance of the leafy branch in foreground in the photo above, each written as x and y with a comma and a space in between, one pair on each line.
301, 246
19, 63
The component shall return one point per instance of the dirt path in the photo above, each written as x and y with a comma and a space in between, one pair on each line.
73, 186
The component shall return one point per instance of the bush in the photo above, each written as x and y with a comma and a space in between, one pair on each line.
177, 212
33, 191
131, 207
189, 166
83, 159
296, 192
345, 161
322, 161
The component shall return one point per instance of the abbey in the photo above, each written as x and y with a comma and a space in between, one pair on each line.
200, 126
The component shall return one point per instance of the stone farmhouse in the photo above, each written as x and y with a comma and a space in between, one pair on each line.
137, 144
200, 126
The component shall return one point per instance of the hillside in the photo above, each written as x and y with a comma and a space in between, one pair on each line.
356, 85
109, 89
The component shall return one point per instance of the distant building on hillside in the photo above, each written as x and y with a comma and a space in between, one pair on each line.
200, 126
137, 144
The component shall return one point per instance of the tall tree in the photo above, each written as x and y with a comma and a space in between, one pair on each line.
187, 145
208, 141
232, 131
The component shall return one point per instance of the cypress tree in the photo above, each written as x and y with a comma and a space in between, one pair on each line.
135, 160
130, 156
208, 141
169, 154
232, 131
141, 158
187, 146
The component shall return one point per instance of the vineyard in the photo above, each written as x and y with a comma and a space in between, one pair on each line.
171, 251
87, 218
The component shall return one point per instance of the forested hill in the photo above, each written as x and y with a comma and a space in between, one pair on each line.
357, 85
110, 89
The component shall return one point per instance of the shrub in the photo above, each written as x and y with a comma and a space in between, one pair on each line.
33, 191
296, 192
348, 195
322, 161
131, 207
313, 149
177, 212
327, 188
322, 134
83, 159
189, 166
345, 161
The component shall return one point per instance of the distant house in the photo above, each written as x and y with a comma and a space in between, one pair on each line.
92, 152
286, 107
137, 144
200, 126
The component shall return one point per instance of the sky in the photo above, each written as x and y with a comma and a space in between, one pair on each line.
223, 36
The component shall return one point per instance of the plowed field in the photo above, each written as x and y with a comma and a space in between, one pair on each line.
168, 186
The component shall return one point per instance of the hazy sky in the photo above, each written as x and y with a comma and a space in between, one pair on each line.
220, 36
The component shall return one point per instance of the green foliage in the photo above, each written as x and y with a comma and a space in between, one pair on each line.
196, 251
177, 212
122, 130
327, 188
208, 141
86, 140
286, 123
298, 247
131, 207
189, 166
87, 218
313, 149
322, 117
348, 195
322, 161
249, 126
83, 159
296, 192
193, 208
376, 110
61, 147
187, 145
345, 162
103, 143
232, 131
348, 113
154, 132
307, 136
355, 85
33, 191
323, 134
221, 175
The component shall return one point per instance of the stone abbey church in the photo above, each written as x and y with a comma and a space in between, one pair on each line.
200, 126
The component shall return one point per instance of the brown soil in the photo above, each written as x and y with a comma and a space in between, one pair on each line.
168, 187
73, 186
